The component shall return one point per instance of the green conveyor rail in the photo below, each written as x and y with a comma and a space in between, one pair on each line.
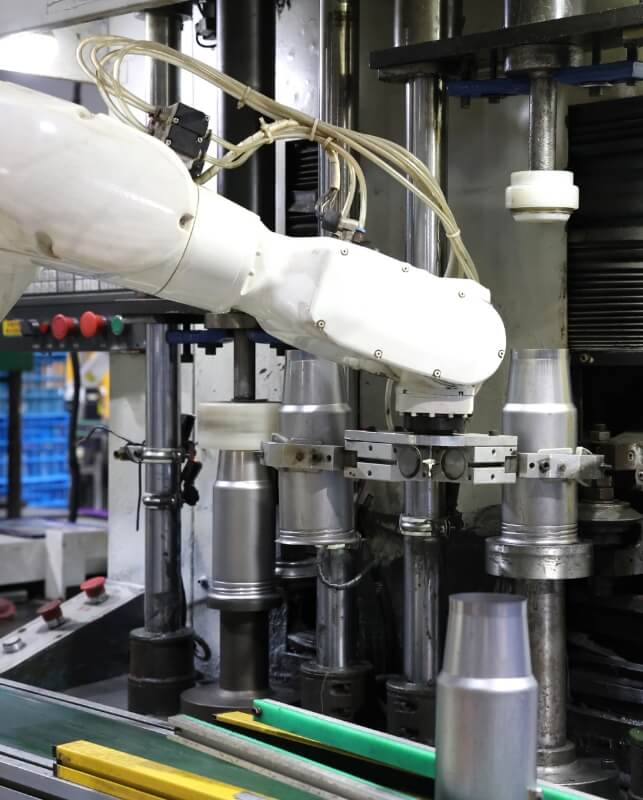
374, 745
36, 725
383, 748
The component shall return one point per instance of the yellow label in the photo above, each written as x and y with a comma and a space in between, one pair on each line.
11, 327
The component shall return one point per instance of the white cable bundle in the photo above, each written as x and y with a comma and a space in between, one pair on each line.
101, 57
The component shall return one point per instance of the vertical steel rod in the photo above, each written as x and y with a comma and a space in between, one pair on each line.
338, 81
163, 594
543, 96
335, 623
546, 617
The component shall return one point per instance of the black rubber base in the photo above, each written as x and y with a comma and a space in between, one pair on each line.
410, 710
344, 694
208, 699
161, 667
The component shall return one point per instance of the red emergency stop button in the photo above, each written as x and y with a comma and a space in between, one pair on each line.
62, 326
94, 588
91, 324
52, 613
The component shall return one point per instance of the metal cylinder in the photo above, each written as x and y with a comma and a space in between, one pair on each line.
540, 412
164, 26
244, 366
244, 652
315, 508
421, 609
546, 619
486, 702
426, 139
246, 44
338, 79
523, 12
163, 595
243, 534
335, 623
543, 99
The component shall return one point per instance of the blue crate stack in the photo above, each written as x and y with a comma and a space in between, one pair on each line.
45, 431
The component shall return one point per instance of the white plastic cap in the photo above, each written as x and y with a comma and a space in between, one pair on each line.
236, 426
542, 195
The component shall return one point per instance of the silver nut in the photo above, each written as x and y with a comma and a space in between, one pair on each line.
461, 294
199, 139
405, 267
437, 373
378, 354
344, 251
321, 323
168, 142
175, 120
501, 353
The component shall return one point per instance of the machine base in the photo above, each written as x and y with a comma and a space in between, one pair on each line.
410, 710
208, 699
595, 776
341, 693
161, 668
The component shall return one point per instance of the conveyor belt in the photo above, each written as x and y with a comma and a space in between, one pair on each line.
35, 724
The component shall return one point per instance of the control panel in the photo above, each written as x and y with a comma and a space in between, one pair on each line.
89, 330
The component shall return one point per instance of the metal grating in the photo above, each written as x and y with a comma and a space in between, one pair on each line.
302, 178
605, 250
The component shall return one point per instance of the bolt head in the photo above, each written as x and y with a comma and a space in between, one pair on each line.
321, 323
344, 251
461, 294
437, 373
630, 455
378, 354
405, 267
501, 353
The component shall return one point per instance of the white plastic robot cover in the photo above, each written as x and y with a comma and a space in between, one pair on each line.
85, 192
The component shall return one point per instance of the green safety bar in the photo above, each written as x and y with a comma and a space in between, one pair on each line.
374, 745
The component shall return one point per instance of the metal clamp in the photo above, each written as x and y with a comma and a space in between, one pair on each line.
139, 454
160, 502
303, 457
456, 458
561, 465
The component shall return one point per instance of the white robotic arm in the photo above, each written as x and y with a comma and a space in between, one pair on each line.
84, 192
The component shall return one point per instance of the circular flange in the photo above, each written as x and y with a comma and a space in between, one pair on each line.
229, 596
600, 517
208, 699
538, 561
317, 538
595, 776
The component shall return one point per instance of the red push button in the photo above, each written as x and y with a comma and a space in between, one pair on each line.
52, 613
62, 326
91, 324
43, 327
94, 588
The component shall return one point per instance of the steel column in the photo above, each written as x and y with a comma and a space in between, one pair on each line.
161, 653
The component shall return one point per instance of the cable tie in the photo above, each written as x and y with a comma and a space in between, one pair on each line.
453, 235
265, 129
313, 130
244, 97
327, 143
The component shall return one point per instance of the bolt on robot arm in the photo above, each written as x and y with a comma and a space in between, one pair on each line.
84, 192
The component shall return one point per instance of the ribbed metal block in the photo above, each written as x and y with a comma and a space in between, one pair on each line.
605, 252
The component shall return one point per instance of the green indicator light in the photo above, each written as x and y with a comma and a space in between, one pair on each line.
117, 325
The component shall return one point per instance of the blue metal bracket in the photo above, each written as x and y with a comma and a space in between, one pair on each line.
590, 75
